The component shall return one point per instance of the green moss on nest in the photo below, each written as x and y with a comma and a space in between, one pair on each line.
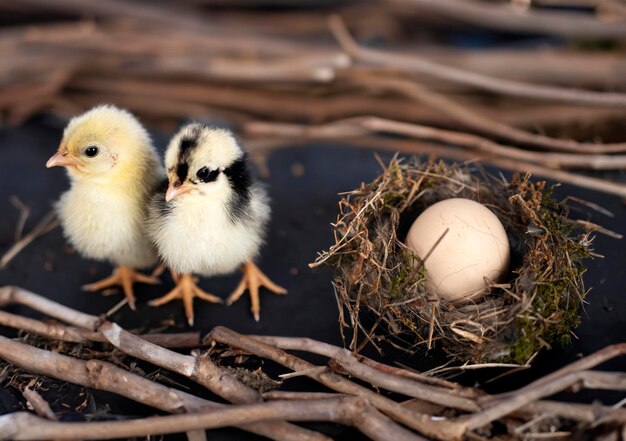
376, 274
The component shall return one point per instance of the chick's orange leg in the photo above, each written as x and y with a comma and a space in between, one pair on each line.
186, 289
252, 280
123, 276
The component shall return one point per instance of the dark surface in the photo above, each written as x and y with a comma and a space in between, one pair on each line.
304, 206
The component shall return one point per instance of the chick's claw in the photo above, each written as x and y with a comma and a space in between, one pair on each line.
252, 280
123, 276
186, 289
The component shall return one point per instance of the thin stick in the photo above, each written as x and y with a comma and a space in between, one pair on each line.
105, 376
352, 126
39, 405
352, 411
54, 331
503, 17
347, 361
15, 295
414, 147
46, 224
474, 119
288, 395
23, 216
484, 82
542, 388
588, 362
199, 369
439, 429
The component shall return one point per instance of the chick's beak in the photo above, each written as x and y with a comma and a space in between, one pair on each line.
175, 189
61, 159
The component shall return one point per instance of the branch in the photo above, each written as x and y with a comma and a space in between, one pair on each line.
45, 225
505, 18
534, 392
350, 411
105, 376
443, 430
472, 117
497, 85
54, 331
378, 378
294, 134
199, 369
39, 405
15, 295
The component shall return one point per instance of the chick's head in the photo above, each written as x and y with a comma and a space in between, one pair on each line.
203, 160
103, 143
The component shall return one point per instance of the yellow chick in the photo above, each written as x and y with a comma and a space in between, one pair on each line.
113, 170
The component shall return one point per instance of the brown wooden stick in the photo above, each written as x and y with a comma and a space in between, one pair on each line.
54, 331
289, 395
354, 126
588, 362
15, 295
574, 411
473, 119
378, 378
45, 225
533, 392
39, 405
423, 423
352, 411
503, 17
105, 376
408, 146
484, 82
198, 369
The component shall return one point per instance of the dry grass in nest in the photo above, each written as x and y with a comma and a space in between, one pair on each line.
378, 277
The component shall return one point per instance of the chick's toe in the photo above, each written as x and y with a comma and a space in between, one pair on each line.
186, 289
253, 278
123, 276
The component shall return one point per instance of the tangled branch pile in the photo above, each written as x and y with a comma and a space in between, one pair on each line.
423, 406
377, 279
282, 75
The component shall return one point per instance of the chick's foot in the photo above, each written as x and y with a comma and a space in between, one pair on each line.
123, 276
252, 280
186, 289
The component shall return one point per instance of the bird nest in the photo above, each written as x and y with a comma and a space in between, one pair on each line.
381, 290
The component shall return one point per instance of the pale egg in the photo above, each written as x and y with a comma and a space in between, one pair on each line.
473, 253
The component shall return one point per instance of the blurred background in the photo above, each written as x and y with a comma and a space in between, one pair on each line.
313, 89
539, 75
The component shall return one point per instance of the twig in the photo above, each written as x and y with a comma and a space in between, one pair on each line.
427, 379
39, 405
423, 423
101, 375
54, 331
505, 18
355, 126
574, 411
288, 395
352, 411
412, 147
23, 216
200, 370
543, 388
484, 82
15, 295
46, 224
472, 117
347, 361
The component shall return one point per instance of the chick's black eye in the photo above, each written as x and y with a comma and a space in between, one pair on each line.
206, 175
91, 151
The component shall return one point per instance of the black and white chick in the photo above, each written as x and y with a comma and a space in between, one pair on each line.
211, 217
